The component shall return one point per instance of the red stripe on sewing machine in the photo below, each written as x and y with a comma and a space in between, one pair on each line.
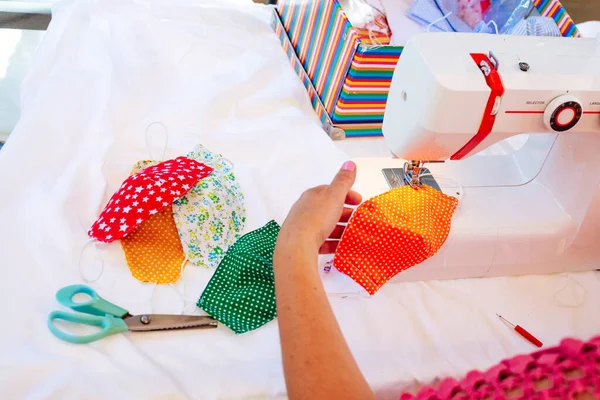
494, 81
523, 112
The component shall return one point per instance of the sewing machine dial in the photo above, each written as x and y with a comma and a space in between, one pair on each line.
563, 113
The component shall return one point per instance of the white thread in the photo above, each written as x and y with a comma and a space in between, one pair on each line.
152, 298
229, 161
186, 302
166, 131
438, 20
495, 25
181, 295
570, 280
98, 253
459, 196
185, 260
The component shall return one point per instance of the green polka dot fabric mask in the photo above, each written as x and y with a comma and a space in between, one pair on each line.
211, 216
241, 293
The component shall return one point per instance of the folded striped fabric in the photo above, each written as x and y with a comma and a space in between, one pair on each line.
536, 26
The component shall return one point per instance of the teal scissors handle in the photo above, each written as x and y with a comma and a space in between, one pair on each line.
95, 306
109, 324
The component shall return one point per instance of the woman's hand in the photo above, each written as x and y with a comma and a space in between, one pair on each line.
315, 216
304, 314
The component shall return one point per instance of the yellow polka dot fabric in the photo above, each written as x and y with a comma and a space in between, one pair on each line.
392, 232
153, 250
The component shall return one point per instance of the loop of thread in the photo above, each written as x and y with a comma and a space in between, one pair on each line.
228, 161
98, 253
166, 131
152, 298
570, 281
439, 177
186, 303
495, 25
438, 20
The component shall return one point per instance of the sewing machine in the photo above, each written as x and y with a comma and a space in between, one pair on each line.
458, 106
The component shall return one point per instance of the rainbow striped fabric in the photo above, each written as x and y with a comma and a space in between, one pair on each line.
347, 80
555, 10
289, 50
365, 89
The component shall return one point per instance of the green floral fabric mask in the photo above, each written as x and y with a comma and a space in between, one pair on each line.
211, 216
241, 293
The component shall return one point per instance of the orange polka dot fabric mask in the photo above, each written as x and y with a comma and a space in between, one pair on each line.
153, 249
392, 232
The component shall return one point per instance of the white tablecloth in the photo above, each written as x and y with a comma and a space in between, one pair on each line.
213, 74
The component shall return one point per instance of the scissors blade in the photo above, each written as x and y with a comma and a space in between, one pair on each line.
157, 322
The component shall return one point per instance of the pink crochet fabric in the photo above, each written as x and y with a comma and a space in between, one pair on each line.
568, 371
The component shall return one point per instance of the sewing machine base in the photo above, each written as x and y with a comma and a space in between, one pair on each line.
510, 229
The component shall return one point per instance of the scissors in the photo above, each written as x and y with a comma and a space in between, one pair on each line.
114, 319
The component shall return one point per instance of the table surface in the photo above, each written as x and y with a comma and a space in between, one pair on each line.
583, 10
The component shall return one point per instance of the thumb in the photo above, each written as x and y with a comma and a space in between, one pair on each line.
342, 182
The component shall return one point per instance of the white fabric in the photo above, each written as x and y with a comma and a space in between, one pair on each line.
590, 29
106, 70
16, 52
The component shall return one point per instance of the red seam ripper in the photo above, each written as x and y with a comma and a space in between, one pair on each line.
521, 331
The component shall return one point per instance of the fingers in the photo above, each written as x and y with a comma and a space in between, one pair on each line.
342, 182
353, 198
346, 214
328, 247
337, 232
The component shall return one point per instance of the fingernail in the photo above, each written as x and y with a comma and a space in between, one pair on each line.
349, 166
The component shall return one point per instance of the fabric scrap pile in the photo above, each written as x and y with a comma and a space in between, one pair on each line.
192, 209
167, 213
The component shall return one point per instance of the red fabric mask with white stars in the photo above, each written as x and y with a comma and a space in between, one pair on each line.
144, 194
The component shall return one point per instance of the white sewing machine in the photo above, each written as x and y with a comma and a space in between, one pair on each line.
530, 204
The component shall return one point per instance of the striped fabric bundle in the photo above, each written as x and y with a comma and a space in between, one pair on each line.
361, 103
555, 10
351, 78
535, 26
324, 42
297, 65
347, 78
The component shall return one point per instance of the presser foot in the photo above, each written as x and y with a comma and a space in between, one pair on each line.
395, 177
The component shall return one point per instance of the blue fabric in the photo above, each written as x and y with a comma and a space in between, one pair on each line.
536, 26
485, 27
425, 12
508, 13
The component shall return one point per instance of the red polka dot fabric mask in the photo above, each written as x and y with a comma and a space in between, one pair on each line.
392, 232
144, 194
